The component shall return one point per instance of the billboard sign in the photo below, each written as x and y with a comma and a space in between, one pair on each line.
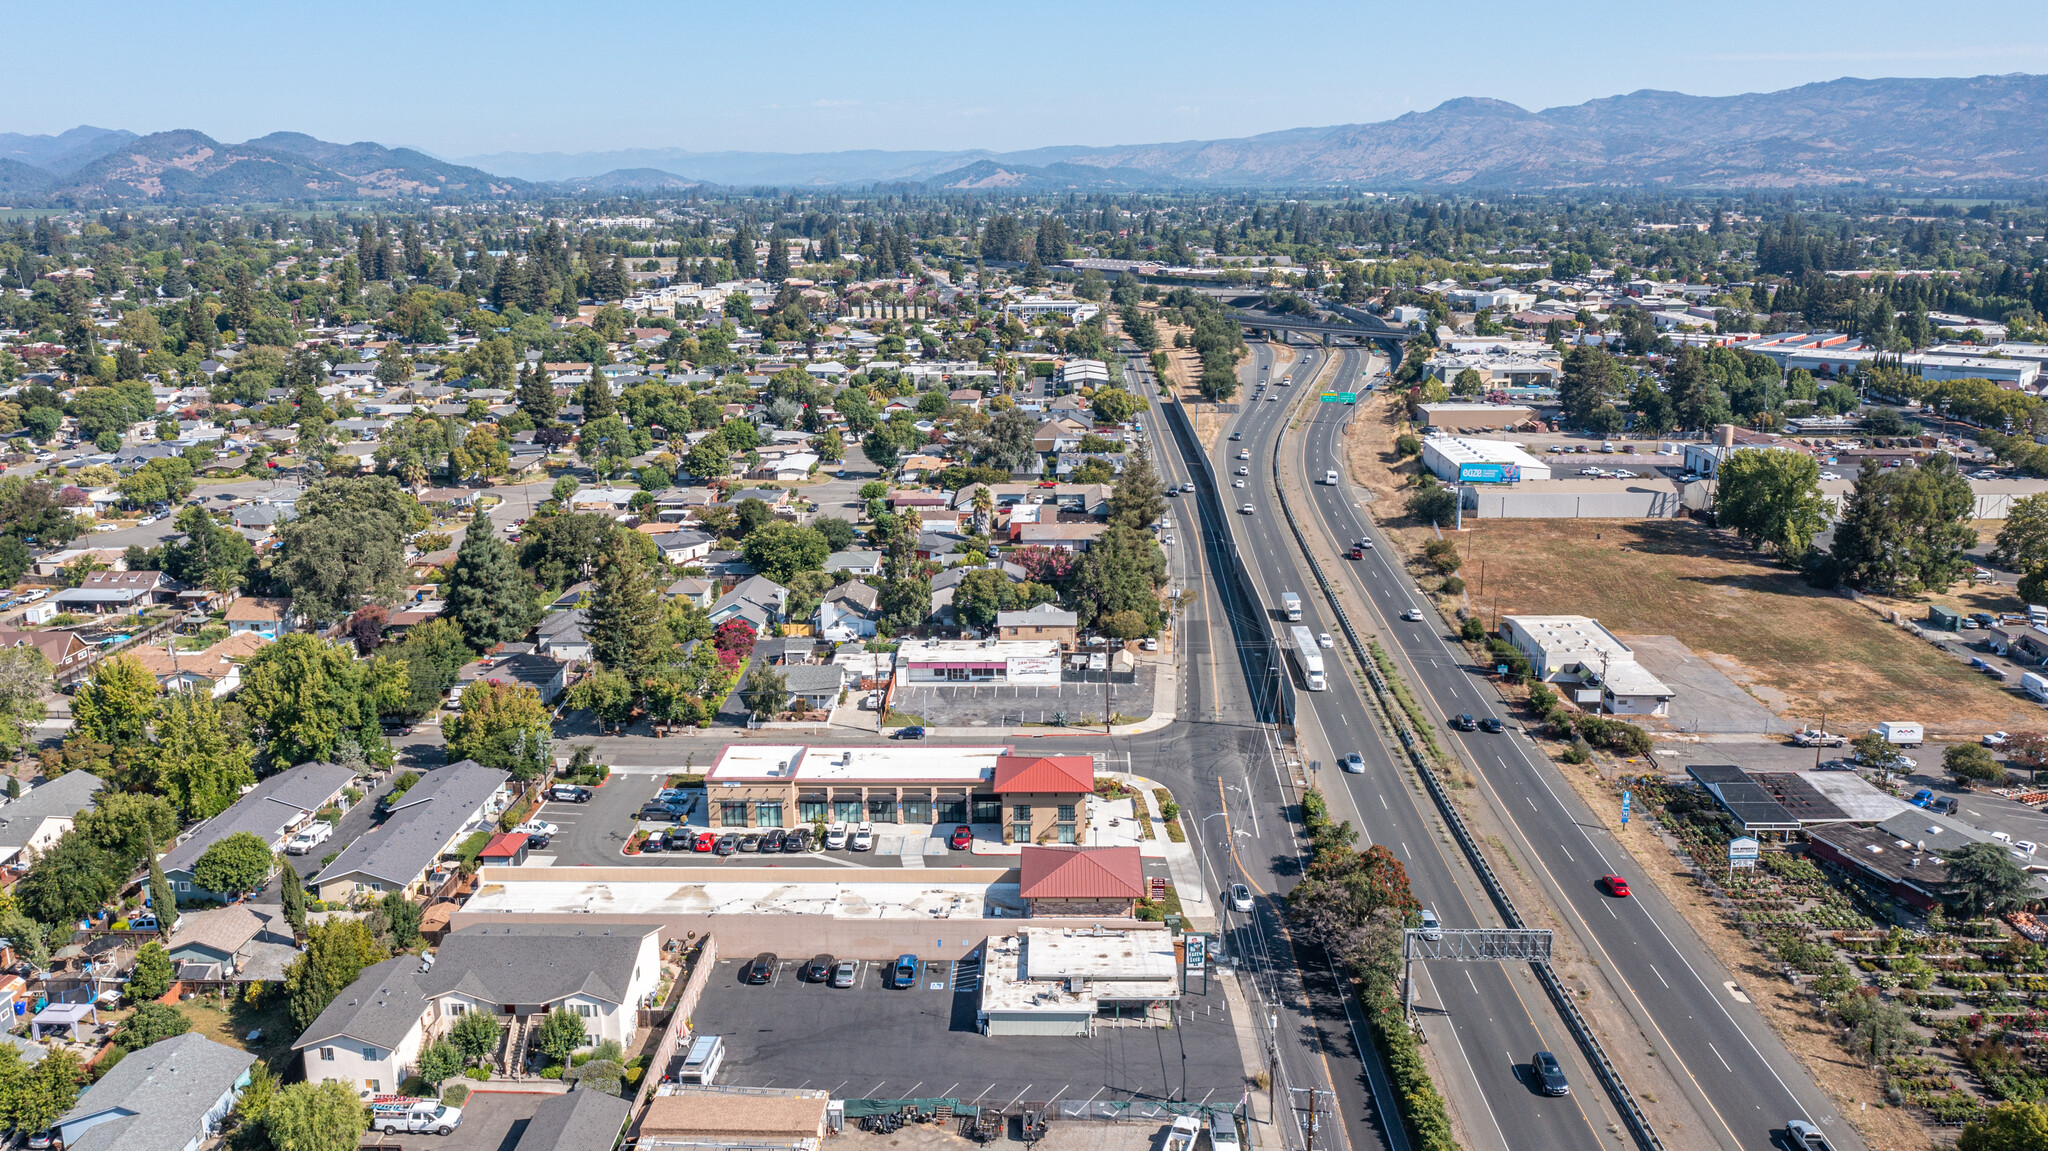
1489, 473
1742, 849
1198, 957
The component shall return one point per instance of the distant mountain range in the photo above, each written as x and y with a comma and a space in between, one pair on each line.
1903, 134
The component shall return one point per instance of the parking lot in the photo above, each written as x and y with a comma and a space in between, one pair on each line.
987, 705
874, 1042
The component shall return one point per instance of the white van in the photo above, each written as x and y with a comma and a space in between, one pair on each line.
1432, 928
1330, 478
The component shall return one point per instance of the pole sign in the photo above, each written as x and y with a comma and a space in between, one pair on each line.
1198, 958
1158, 887
1742, 851
1627, 798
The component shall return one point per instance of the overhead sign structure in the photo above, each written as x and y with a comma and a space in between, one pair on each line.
1338, 397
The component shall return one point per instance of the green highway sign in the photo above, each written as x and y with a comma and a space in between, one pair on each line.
1339, 397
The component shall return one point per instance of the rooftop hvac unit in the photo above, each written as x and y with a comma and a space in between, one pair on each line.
1075, 984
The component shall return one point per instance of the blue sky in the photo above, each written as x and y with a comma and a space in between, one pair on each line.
463, 78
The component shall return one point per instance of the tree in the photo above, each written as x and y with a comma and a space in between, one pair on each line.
401, 917
209, 555
766, 691
324, 1116
431, 655
311, 699
152, 1022
1122, 572
238, 862
503, 726
69, 881
292, 893
475, 1035
200, 759
162, 898
606, 1075
2028, 751
1968, 762
1115, 405
1983, 880
24, 678
336, 953
487, 594
438, 1060
1905, 530
837, 532
1431, 501
1139, 497
152, 975
345, 544
1874, 750
50, 1090
1590, 381
980, 595
1772, 497
115, 703
708, 459
560, 1034
127, 825
779, 550
2022, 544
623, 619
2012, 1126
1882, 1032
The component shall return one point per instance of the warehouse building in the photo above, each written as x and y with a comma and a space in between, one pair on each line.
1458, 459
1602, 670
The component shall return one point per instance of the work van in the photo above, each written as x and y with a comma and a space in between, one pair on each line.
1330, 478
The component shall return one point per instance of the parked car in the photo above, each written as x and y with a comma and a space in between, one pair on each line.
818, 969
835, 837
911, 732
569, 793
726, 845
1549, 1074
655, 843
537, 827
310, 837
796, 839
863, 838
962, 838
1149, 643
1240, 897
761, 968
844, 974
657, 812
146, 921
1997, 737
750, 842
678, 839
771, 842
903, 973
1922, 797
1614, 885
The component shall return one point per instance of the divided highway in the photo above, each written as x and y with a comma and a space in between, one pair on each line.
1739, 1076
1499, 1016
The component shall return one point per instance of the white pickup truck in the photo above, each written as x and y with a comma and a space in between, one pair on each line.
313, 835
415, 1117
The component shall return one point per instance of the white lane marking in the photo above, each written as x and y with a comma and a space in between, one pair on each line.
1658, 974
1383, 804
1717, 1055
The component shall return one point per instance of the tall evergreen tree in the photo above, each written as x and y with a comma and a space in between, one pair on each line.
778, 262
623, 620
537, 395
161, 896
1139, 496
293, 892
488, 595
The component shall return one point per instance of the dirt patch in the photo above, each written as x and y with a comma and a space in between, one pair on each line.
1380, 418
1795, 1018
1797, 649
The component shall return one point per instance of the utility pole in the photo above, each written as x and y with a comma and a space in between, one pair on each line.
1273, 1065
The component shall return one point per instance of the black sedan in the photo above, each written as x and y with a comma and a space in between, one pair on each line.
1464, 722
818, 969
761, 968
1490, 724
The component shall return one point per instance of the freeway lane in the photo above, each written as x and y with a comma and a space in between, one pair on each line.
1739, 1075
1499, 1015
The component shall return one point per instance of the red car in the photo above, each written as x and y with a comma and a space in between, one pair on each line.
1615, 885
963, 838
706, 841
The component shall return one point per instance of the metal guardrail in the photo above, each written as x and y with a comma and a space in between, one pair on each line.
1610, 1076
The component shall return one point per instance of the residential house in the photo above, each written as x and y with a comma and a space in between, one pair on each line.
1060, 433
37, 820
1070, 537
428, 822
371, 1035
271, 617
575, 1121
849, 611
1081, 882
684, 547
694, 589
860, 562
560, 634
545, 674
1044, 797
122, 591
757, 599
273, 811
1043, 621
65, 651
242, 942
817, 685
170, 1096
262, 518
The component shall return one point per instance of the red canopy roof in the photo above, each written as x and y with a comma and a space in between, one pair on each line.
1082, 873
1044, 774
505, 844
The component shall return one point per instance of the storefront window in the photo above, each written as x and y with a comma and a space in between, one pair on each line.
811, 810
881, 809
988, 809
917, 809
951, 809
732, 814
846, 810
1066, 833
1066, 813
768, 815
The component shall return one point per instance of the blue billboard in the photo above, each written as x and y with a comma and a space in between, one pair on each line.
1489, 473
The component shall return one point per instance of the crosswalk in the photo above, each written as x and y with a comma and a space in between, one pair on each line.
966, 974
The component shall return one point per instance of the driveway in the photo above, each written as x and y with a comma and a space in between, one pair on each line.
491, 1121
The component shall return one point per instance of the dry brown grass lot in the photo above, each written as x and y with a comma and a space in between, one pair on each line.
1797, 649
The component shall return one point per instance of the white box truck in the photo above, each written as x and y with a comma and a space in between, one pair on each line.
1291, 604
1310, 657
1900, 734
2035, 686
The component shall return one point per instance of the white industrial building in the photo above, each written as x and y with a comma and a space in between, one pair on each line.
1015, 662
1459, 458
1575, 649
1057, 981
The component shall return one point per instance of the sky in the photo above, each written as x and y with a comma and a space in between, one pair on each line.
463, 79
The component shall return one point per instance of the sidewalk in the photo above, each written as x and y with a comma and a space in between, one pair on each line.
1197, 907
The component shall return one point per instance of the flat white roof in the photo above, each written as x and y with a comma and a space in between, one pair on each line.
914, 651
1015, 980
849, 900
1466, 450
1116, 955
752, 763
1567, 639
1862, 802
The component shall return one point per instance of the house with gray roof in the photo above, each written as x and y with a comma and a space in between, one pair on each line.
244, 941
849, 611
560, 634
375, 1029
860, 562
576, 1121
273, 811
428, 822
817, 685
756, 599
686, 546
169, 1096
45, 812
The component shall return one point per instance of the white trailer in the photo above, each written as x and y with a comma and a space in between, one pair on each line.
1310, 657
1900, 734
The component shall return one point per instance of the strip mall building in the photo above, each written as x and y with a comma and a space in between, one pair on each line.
1037, 798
